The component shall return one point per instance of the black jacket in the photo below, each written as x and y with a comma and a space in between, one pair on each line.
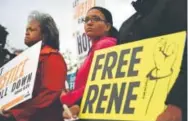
155, 18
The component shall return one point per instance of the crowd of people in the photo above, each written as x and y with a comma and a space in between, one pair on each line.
49, 94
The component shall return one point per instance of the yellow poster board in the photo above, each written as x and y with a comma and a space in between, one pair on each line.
131, 81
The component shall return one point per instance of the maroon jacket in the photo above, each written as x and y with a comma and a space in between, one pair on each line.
50, 80
82, 74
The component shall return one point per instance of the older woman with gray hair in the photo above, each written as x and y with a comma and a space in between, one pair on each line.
45, 104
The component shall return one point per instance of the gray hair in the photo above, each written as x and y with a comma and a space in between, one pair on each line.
48, 28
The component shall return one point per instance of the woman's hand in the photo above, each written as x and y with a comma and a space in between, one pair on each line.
64, 92
75, 109
6, 116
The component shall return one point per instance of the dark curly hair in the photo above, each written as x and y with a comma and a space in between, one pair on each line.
3, 36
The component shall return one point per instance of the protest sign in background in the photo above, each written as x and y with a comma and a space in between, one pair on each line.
80, 8
71, 79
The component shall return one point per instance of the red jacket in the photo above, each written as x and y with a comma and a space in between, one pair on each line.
50, 80
82, 74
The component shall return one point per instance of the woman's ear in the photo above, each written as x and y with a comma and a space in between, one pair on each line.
108, 26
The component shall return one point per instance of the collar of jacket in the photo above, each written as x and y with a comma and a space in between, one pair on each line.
47, 50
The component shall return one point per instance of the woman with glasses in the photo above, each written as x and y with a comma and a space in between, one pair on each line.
99, 28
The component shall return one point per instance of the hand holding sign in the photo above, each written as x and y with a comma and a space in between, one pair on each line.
172, 113
6, 116
70, 114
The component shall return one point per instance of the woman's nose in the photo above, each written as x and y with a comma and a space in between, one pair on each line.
90, 22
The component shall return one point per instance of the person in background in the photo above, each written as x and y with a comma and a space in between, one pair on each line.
99, 28
156, 18
51, 74
5, 55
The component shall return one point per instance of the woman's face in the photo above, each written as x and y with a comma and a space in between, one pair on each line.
33, 33
95, 24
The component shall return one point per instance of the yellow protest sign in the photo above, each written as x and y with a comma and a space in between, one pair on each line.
131, 81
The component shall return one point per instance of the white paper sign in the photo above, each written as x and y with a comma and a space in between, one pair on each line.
17, 78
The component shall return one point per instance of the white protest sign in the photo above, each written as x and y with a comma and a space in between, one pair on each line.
17, 78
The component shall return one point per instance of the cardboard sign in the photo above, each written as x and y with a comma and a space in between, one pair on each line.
131, 81
17, 78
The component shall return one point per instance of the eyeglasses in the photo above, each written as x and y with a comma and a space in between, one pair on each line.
93, 19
